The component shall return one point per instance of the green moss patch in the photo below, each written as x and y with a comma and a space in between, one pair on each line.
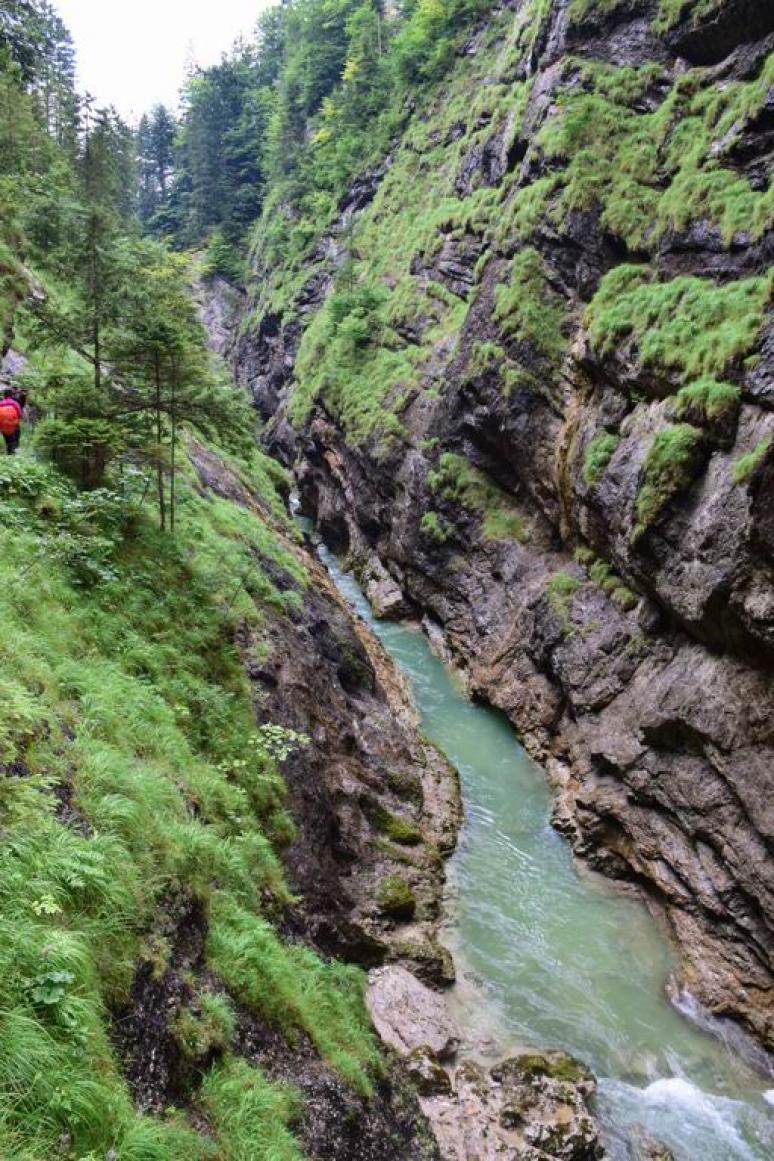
400, 830
395, 897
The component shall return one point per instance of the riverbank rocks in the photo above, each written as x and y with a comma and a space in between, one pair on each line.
533, 1105
529, 1107
408, 1015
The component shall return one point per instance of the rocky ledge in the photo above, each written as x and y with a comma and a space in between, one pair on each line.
530, 1106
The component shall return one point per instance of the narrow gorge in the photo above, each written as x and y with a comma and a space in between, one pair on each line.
569, 475
387, 766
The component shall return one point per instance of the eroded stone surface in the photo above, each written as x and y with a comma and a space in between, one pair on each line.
408, 1015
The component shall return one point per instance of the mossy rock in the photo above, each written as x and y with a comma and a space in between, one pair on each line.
555, 1065
406, 785
395, 898
430, 961
400, 830
429, 1076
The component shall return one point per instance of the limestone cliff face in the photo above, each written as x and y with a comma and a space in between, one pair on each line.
554, 435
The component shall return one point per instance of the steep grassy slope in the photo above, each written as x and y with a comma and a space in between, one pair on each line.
163, 996
552, 300
141, 805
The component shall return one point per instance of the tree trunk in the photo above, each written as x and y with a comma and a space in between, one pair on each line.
173, 424
159, 445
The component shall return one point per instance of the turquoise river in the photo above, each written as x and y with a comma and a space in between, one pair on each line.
549, 954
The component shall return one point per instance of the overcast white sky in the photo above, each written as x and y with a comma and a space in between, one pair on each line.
133, 53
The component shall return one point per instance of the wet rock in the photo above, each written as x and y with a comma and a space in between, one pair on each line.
408, 1015
383, 593
644, 1147
515, 1112
335, 1123
428, 960
427, 1073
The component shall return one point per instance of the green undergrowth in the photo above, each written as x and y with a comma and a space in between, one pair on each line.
124, 696
355, 363
254, 1117
456, 480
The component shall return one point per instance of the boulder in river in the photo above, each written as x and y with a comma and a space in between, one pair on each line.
644, 1147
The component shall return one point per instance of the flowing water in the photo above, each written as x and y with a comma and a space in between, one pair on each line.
550, 955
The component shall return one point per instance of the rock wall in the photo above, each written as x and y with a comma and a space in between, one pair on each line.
576, 484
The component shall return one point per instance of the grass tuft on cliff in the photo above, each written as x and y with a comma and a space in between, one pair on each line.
598, 454
456, 480
670, 466
688, 324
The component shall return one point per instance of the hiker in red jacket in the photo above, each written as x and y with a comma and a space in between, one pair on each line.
10, 421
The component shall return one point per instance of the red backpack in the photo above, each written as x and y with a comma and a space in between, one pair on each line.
10, 416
